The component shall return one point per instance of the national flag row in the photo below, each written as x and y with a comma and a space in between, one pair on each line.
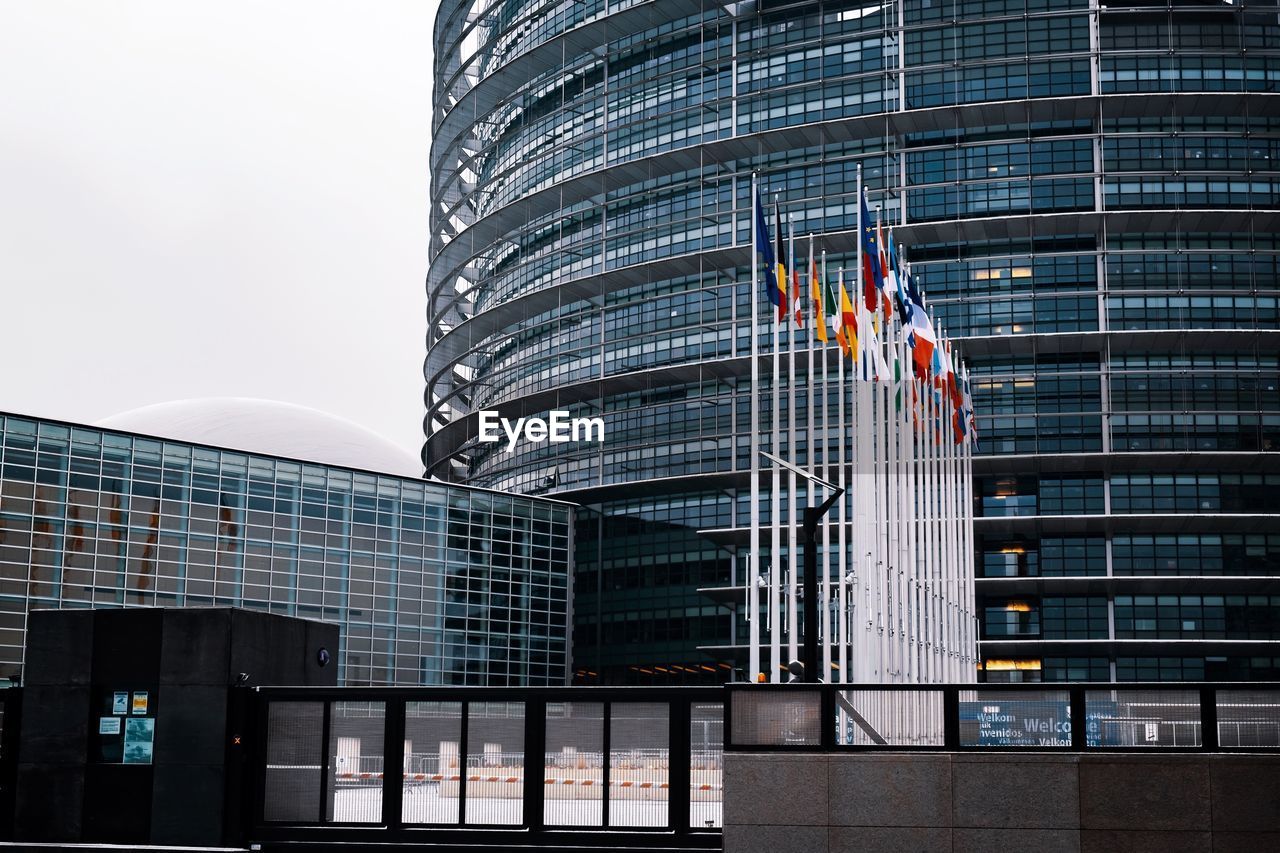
886, 289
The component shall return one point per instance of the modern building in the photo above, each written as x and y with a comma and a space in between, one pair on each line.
429, 583
1089, 194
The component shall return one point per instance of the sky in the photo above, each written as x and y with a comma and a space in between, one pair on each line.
214, 200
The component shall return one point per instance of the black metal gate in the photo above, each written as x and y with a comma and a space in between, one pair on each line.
590, 766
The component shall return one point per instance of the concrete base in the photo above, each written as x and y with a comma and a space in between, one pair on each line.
1001, 803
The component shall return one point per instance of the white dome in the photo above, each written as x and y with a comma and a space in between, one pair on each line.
270, 428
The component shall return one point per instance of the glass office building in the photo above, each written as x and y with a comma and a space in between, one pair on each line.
1088, 193
429, 583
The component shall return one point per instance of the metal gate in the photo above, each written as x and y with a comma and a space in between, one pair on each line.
635, 767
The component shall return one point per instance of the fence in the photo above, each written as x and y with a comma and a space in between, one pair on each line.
634, 765
1117, 717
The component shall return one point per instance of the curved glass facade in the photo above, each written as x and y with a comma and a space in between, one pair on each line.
1089, 195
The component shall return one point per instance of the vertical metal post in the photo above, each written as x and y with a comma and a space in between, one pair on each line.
463, 734
679, 757
393, 763
605, 746
1079, 726
811, 516
830, 720
326, 781
951, 716
535, 758
1209, 719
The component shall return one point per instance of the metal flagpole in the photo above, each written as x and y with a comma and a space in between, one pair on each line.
970, 551
857, 545
752, 570
842, 509
815, 446
793, 566
775, 539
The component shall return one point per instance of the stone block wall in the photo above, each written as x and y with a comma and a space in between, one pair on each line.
1001, 803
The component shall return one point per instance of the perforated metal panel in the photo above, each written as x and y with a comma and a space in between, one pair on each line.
890, 717
1143, 718
706, 765
1248, 718
432, 762
768, 718
293, 785
574, 766
356, 748
998, 718
639, 763
495, 763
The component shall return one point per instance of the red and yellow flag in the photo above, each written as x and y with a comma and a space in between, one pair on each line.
815, 298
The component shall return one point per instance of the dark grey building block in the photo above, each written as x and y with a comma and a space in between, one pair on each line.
895, 839
187, 804
326, 636
59, 647
126, 646
195, 725
1245, 842
48, 802
1028, 792
1012, 840
1140, 792
1246, 792
1145, 841
775, 839
782, 790
55, 725
188, 660
889, 790
197, 646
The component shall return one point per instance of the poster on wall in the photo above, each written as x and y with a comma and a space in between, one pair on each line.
139, 740
120, 702
108, 725
140, 702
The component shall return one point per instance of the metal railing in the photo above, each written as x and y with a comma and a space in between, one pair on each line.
630, 766
996, 717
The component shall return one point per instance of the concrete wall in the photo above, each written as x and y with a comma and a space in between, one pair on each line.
1041, 802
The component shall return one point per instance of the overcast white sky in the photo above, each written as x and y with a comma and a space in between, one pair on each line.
214, 199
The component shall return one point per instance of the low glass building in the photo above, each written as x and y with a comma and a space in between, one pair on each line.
429, 583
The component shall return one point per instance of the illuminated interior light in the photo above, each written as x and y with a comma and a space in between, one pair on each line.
1007, 665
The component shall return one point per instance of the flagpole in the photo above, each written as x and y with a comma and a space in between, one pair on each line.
775, 539
752, 570
842, 508
858, 545
970, 442
815, 318
793, 565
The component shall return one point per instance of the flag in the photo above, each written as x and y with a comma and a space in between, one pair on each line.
971, 424
831, 307
950, 381
780, 268
892, 275
793, 287
765, 251
872, 275
848, 323
897, 378
922, 339
816, 296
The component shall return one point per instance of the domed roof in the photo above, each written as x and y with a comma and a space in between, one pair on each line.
270, 428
